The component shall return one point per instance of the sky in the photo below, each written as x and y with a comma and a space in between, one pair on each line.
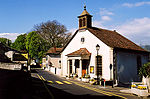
130, 18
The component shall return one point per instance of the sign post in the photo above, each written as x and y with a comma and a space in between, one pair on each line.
104, 83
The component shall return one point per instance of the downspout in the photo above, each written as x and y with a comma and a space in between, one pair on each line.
115, 83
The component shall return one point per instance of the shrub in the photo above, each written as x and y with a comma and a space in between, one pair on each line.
145, 70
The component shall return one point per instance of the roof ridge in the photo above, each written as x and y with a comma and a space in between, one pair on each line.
119, 42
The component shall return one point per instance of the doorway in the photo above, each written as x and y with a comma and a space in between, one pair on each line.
85, 67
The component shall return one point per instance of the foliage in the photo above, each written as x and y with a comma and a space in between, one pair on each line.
145, 70
20, 43
6, 41
53, 32
36, 46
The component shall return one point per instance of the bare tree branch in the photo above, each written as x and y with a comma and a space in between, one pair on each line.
53, 32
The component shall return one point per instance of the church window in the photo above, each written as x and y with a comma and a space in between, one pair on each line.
83, 21
82, 39
80, 23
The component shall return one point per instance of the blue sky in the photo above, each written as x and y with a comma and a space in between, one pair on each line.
130, 18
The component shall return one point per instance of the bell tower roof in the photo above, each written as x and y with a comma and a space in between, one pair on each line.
84, 12
85, 19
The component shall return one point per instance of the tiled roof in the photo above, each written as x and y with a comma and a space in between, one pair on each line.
114, 39
54, 50
5, 48
4, 59
84, 13
80, 52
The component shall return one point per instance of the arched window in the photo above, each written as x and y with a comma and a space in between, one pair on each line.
80, 22
83, 21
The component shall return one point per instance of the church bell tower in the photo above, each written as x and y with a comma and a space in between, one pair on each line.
85, 19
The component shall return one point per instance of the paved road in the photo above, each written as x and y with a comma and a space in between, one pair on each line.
58, 87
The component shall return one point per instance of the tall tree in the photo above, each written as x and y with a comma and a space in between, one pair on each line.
6, 41
35, 45
20, 42
53, 32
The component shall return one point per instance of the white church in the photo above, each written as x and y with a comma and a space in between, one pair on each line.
101, 53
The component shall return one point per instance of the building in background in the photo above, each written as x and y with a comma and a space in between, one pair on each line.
52, 61
11, 58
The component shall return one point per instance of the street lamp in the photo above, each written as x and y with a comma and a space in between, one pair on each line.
97, 48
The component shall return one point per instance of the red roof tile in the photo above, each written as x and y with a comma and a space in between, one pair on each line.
80, 52
114, 39
54, 50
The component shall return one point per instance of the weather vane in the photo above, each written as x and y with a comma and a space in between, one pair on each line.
84, 6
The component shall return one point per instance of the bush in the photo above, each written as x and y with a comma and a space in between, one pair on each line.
145, 70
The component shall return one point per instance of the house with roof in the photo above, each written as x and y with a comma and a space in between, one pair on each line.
11, 58
3, 57
101, 53
52, 61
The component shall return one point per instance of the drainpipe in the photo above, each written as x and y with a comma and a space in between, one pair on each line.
114, 83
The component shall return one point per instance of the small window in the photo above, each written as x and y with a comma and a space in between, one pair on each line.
83, 21
80, 23
82, 39
59, 61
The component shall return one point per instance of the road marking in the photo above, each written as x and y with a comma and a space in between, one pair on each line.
59, 82
43, 78
67, 82
46, 87
121, 93
39, 76
99, 91
50, 82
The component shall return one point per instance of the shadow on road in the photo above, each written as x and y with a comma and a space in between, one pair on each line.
20, 85
39, 92
14, 84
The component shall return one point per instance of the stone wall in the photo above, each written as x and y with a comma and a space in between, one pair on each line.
10, 66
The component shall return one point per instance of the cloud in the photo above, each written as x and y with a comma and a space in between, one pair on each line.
137, 30
137, 4
105, 18
103, 11
11, 36
98, 24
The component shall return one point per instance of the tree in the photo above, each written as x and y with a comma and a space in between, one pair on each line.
6, 41
36, 46
145, 70
20, 42
53, 32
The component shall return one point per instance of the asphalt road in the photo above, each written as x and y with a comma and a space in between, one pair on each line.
42, 84
57, 87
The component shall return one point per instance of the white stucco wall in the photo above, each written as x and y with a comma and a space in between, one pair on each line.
9, 54
90, 44
56, 66
127, 66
